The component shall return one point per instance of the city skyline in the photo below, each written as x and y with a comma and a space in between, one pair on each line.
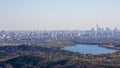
58, 15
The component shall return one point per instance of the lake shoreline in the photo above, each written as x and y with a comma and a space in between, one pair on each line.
109, 46
91, 49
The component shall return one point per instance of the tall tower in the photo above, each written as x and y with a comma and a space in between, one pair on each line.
97, 27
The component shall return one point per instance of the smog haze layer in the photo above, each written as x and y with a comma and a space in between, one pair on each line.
58, 14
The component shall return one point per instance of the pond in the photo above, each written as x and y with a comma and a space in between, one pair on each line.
89, 49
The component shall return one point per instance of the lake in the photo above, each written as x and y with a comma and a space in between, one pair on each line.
89, 49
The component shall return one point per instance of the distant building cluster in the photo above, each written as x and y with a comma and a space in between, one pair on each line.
103, 33
37, 35
54, 35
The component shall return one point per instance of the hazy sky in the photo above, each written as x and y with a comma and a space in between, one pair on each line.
58, 14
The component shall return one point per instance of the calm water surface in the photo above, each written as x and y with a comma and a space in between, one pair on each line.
89, 49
